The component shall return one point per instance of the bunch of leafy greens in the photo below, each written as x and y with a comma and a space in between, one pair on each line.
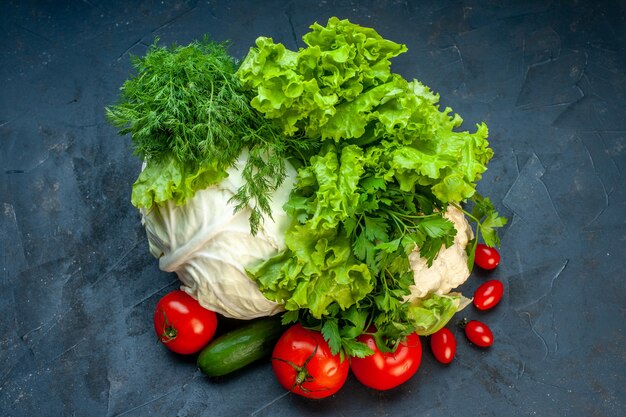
388, 165
190, 120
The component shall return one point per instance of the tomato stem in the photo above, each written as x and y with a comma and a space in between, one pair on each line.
169, 331
302, 372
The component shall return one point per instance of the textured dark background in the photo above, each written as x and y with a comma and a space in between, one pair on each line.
78, 286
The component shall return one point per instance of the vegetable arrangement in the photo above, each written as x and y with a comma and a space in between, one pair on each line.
315, 184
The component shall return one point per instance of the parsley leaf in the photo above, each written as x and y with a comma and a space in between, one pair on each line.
330, 332
355, 348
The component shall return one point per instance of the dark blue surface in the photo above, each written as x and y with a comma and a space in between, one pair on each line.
78, 285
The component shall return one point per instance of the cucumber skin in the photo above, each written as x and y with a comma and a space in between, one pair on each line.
240, 347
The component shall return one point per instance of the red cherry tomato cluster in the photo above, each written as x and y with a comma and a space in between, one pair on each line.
486, 297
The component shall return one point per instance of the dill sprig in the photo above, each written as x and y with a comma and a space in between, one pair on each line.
187, 102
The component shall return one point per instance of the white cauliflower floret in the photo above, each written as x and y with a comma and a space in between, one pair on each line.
449, 269
209, 246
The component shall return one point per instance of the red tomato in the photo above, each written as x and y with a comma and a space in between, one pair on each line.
486, 257
386, 370
443, 345
182, 324
479, 333
304, 364
488, 294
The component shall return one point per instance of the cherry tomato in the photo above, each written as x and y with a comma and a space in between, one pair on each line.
479, 333
304, 364
182, 324
488, 294
387, 370
486, 257
443, 345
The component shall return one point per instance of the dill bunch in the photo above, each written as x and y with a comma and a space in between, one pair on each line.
186, 103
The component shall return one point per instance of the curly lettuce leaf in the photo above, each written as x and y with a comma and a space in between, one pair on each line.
301, 90
169, 178
318, 267
419, 144
358, 98
316, 271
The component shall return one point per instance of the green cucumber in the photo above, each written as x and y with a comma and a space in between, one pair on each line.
240, 347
